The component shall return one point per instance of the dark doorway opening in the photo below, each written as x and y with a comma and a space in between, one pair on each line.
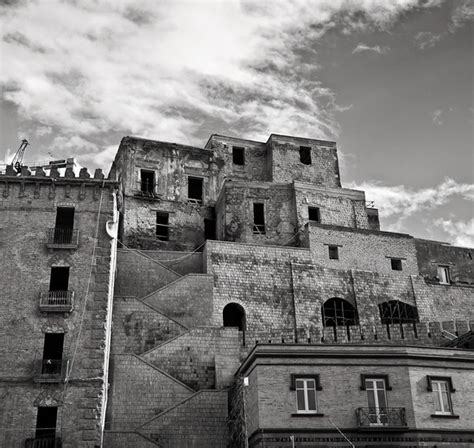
195, 188
238, 155
59, 280
258, 218
64, 225
162, 226
147, 181
52, 353
305, 155
46, 423
234, 316
209, 229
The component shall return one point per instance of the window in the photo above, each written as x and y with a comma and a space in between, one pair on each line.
333, 252
305, 387
443, 275
195, 189
377, 400
442, 388
305, 155
147, 181
258, 218
234, 316
396, 264
59, 279
64, 225
52, 353
46, 424
238, 155
313, 214
209, 229
396, 312
162, 226
338, 312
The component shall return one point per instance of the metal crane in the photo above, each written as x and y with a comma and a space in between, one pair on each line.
17, 161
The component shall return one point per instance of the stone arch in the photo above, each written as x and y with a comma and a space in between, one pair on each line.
396, 312
338, 312
234, 316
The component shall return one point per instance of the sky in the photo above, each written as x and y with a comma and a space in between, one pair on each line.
391, 81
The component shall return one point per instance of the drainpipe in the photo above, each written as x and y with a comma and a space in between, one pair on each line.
293, 301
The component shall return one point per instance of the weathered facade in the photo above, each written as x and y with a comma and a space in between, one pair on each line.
257, 302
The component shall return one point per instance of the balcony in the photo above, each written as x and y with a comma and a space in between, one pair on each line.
44, 442
62, 238
56, 301
50, 371
370, 419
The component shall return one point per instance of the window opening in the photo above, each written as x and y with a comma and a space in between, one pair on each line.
333, 252
195, 188
209, 229
46, 423
59, 280
396, 264
396, 312
52, 353
443, 275
64, 225
305, 155
162, 226
313, 214
377, 400
443, 403
258, 218
238, 155
234, 316
305, 395
147, 181
338, 312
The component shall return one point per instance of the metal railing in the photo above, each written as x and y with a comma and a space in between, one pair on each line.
50, 370
62, 238
381, 417
56, 301
44, 442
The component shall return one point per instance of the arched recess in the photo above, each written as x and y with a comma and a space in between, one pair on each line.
234, 316
396, 312
338, 312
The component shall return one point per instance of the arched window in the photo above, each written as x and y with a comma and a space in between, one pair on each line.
396, 312
234, 316
338, 312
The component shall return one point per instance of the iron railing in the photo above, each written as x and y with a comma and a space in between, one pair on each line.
381, 417
50, 370
56, 301
44, 442
62, 238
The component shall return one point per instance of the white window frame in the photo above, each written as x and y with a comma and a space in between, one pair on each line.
438, 397
306, 391
444, 275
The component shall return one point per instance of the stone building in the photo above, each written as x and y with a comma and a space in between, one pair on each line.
256, 303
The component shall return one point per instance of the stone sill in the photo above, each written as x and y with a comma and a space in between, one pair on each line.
444, 416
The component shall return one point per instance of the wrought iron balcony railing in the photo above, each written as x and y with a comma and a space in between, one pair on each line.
373, 418
62, 238
50, 370
56, 301
44, 442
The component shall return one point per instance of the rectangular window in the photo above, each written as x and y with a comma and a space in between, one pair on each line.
396, 264
333, 252
442, 397
147, 181
238, 155
377, 401
258, 218
305, 155
46, 424
52, 353
209, 229
305, 395
64, 225
313, 214
443, 275
162, 226
59, 279
195, 189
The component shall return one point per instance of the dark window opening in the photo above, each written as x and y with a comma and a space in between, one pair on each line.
313, 214
238, 155
234, 316
338, 312
147, 181
64, 225
258, 218
195, 188
209, 229
162, 226
52, 353
305, 155
396, 312
396, 264
46, 423
59, 280
333, 253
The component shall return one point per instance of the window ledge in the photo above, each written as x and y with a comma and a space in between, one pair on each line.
307, 414
444, 416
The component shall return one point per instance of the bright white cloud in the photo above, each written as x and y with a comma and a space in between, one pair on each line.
462, 232
371, 49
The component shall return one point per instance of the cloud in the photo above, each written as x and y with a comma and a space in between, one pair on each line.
437, 117
462, 232
462, 13
95, 70
426, 39
375, 49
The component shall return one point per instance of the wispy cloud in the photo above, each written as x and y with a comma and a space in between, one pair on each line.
462, 232
367, 48
426, 39
94, 71
463, 12
437, 117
